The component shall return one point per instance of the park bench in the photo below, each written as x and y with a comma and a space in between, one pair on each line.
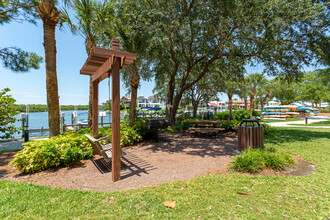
104, 150
206, 127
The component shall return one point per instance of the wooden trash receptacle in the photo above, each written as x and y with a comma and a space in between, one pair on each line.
250, 135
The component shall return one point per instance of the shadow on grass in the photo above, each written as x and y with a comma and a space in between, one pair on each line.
285, 135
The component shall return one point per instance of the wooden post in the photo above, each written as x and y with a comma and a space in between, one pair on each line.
99, 63
116, 115
95, 108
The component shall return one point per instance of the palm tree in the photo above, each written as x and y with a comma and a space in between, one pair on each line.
254, 81
227, 82
50, 17
261, 90
130, 45
131, 29
89, 23
244, 91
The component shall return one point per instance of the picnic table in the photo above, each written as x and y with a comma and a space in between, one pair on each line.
210, 127
213, 124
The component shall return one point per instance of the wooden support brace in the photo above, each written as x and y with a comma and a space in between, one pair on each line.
122, 62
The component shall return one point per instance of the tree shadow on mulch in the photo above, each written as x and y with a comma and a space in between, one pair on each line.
6, 157
223, 144
3, 173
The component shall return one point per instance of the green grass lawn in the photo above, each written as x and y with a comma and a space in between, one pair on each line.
208, 197
278, 120
320, 123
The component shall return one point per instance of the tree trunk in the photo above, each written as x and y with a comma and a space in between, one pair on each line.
174, 109
90, 103
245, 103
90, 44
261, 103
251, 106
312, 104
50, 17
230, 98
135, 79
169, 102
267, 96
252, 102
195, 107
320, 106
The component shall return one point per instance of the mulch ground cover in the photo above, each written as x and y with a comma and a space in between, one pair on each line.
176, 157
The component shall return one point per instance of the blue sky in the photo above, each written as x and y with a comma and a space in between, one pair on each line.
30, 87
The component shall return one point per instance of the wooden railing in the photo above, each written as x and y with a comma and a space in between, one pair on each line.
80, 126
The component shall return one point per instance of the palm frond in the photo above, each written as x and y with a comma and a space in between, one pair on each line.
66, 20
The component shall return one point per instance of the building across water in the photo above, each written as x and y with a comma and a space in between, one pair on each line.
143, 101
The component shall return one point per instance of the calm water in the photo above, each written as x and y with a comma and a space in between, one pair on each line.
39, 120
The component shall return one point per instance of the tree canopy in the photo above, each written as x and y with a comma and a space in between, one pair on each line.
192, 34
7, 113
15, 58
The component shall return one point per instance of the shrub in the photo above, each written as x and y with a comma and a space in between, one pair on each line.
169, 129
65, 148
241, 114
255, 160
183, 125
140, 128
266, 127
237, 114
222, 115
129, 136
256, 113
61, 150
181, 116
327, 110
230, 125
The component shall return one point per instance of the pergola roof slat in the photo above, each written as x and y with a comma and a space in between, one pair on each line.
99, 56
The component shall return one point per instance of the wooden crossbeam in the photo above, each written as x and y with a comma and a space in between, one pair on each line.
104, 69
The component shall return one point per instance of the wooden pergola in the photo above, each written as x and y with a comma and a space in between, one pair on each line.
101, 64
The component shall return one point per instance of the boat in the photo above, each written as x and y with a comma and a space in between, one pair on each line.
284, 111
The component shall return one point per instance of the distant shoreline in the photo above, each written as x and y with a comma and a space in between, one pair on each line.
43, 108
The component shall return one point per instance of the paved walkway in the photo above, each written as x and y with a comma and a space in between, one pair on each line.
11, 146
310, 120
